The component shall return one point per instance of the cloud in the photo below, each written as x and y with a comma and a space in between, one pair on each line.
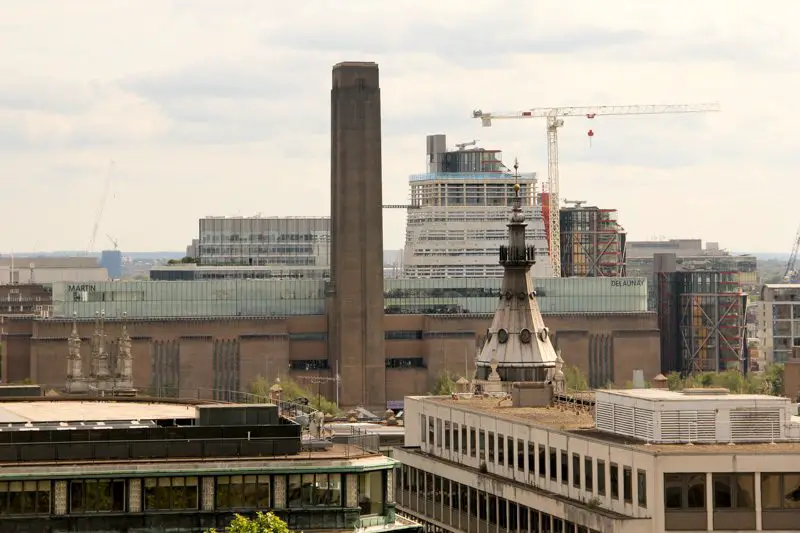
223, 108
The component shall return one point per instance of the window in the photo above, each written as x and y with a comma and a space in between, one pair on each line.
685, 491
531, 459
438, 432
521, 455
780, 491
25, 497
601, 477
170, 493
455, 437
490, 438
482, 444
734, 491
242, 492
553, 465
542, 461
510, 451
576, 470
464, 442
97, 496
371, 492
430, 431
564, 468
587, 474
627, 484
501, 446
472, 443
446, 434
314, 490
641, 487
614, 472
422, 426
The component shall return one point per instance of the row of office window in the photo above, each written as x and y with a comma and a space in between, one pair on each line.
181, 493
779, 491
547, 462
462, 506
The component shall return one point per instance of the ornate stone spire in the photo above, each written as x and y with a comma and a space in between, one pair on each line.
100, 356
518, 339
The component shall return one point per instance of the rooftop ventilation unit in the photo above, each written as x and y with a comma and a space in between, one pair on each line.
695, 416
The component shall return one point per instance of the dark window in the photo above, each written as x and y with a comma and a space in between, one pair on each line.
542, 461
684, 491
472, 444
601, 477
734, 491
455, 437
371, 492
25, 497
464, 443
553, 464
447, 431
780, 491
520, 455
490, 438
431, 438
576, 470
587, 474
405, 362
97, 496
170, 493
501, 446
422, 427
641, 487
308, 364
614, 475
627, 484
564, 468
439, 432
482, 444
242, 492
510, 451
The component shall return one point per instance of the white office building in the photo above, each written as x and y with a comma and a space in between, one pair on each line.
461, 211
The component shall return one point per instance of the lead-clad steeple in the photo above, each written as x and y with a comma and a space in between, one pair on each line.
517, 346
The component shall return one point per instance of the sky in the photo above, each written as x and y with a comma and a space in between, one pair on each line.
189, 108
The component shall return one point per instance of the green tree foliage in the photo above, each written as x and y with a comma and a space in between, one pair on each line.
770, 381
445, 385
262, 523
292, 391
574, 379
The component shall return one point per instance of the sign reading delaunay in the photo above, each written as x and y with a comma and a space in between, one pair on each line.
627, 282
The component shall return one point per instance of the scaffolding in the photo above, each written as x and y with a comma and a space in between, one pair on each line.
592, 243
702, 321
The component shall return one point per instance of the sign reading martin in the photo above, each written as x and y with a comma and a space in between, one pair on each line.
81, 288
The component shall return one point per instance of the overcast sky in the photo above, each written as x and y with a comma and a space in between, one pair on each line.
221, 107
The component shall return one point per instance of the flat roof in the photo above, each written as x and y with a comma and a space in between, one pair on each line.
700, 394
90, 411
580, 422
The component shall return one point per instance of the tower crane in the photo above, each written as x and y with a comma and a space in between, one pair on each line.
554, 120
101, 207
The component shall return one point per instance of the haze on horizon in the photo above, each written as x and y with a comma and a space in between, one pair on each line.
222, 108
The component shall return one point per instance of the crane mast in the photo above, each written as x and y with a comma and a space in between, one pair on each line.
790, 274
554, 121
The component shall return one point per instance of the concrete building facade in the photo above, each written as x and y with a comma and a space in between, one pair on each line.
197, 356
355, 292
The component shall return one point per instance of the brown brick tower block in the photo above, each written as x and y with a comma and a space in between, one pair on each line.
355, 327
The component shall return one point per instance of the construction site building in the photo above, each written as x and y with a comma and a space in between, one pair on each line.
460, 214
702, 321
592, 242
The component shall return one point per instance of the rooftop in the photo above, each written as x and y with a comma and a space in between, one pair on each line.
580, 421
44, 411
